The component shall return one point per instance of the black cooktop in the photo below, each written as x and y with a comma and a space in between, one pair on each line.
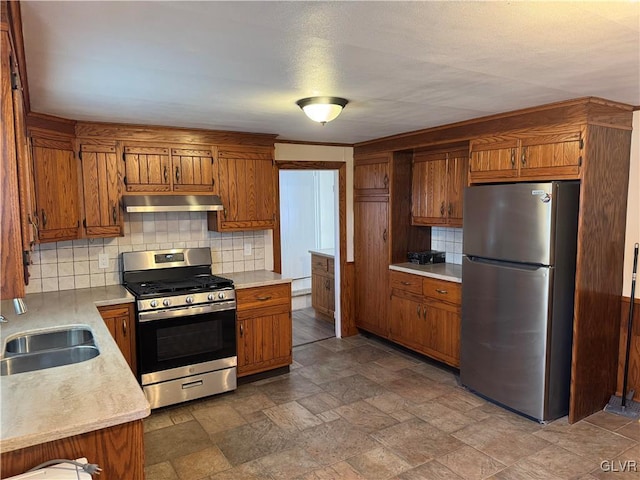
195, 284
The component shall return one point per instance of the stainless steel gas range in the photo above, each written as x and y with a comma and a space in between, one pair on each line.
186, 340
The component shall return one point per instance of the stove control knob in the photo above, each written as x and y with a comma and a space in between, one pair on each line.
211, 297
221, 295
166, 302
189, 299
153, 303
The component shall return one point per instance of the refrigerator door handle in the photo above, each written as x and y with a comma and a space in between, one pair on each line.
502, 263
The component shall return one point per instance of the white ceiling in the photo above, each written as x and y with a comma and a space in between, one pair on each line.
403, 66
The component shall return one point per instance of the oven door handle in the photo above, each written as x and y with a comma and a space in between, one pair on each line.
186, 312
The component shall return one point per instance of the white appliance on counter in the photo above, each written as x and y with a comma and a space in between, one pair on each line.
517, 295
61, 471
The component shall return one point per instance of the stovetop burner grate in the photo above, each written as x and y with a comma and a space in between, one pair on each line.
199, 283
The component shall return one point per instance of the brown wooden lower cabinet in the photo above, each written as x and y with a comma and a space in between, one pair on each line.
323, 285
264, 328
118, 451
425, 316
120, 320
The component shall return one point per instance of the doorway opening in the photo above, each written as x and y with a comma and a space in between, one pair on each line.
309, 236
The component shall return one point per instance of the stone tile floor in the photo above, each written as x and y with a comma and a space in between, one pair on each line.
358, 408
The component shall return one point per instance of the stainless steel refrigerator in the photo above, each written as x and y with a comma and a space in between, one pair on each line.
517, 294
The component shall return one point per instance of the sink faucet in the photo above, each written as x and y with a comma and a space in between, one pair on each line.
18, 305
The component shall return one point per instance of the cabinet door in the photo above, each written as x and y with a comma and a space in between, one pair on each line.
429, 190
12, 279
493, 159
371, 175
457, 169
406, 323
264, 339
121, 323
101, 185
552, 156
56, 182
246, 185
322, 294
147, 169
441, 336
371, 239
192, 170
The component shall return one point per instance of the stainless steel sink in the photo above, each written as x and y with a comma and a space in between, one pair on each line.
28, 362
40, 350
37, 342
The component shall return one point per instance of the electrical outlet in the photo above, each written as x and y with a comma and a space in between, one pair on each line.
247, 249
103, 260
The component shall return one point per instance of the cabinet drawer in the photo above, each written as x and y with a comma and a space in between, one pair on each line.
258, 297
441, 290
319, 264
406, 282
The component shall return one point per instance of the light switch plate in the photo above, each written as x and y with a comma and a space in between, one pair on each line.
103, 260
247, 249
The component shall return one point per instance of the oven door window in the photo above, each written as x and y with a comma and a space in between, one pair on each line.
180, 341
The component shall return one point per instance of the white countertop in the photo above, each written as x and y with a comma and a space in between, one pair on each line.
63, 401
255, 278
451, 272
324, 252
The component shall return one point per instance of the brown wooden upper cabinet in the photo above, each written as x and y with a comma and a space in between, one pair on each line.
438, 181
371, 175
55, 172
152, 169
246, 183
536, 157
101, 180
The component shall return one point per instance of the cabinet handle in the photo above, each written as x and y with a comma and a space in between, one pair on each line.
326, 284
44, 219
385, 181
418, 310
449, 209
406, 283
124, 328
442, 209
225, 213
442, 292
178, 174
166, 174
513, 158
424, 313
114, 214
523, 158
384, 235
241, 330
264, 298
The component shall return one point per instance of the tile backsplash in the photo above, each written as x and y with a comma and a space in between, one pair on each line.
74, 264
448, 240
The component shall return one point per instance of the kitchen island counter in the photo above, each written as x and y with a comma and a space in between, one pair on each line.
55, 403
450, 272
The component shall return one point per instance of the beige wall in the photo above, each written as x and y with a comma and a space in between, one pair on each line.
633, 207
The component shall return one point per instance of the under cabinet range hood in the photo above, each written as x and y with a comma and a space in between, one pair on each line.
171, 203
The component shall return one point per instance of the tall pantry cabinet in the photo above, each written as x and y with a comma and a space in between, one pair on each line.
382, 232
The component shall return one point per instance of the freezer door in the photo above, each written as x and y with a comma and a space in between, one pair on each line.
511, 222
505, 321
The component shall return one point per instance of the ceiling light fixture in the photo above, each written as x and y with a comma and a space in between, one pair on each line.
322, 109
